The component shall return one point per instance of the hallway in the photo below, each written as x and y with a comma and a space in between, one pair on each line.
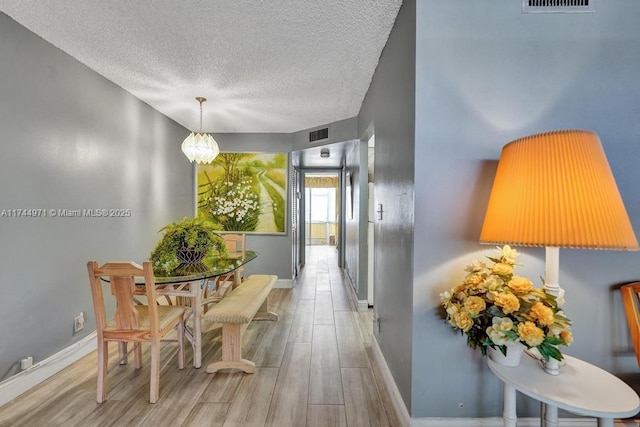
314, 369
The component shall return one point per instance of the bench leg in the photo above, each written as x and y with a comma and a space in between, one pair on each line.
232, 351
263, 312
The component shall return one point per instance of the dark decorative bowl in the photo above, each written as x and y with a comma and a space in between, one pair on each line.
189, 256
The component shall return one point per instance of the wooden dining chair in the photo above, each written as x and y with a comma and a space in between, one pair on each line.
132, 322
630, 294
217, 288
235, 244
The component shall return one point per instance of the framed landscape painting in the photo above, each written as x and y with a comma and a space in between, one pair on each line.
244, 192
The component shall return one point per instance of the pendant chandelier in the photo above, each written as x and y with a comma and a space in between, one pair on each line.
200, 146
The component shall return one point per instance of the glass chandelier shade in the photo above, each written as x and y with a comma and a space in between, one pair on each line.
200, 146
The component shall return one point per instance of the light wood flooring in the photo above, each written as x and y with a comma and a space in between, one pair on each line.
313, 369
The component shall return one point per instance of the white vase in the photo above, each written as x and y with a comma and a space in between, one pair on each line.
552, 367
513, 356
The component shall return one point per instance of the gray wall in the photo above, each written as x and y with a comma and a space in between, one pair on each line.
274, 251
356, 225
388, 110
70, 139
487, 74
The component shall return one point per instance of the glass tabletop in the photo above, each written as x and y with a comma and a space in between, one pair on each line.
209, 267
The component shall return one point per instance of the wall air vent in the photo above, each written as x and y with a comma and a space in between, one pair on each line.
557, 6
319, 135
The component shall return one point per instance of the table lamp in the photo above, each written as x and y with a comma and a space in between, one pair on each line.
556, 190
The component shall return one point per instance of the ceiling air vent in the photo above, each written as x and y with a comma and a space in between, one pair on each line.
319, 135
557, 6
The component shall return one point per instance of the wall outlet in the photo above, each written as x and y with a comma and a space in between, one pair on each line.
26, 363
78, 323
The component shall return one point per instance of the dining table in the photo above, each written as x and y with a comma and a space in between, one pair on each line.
197, 286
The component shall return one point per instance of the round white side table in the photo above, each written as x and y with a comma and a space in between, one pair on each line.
581, 388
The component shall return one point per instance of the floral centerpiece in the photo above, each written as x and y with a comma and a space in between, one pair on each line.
495, 308
184, 244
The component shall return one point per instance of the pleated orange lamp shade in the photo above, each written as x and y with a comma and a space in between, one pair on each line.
556, 189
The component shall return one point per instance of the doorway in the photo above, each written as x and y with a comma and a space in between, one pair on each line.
322, 209
319, 214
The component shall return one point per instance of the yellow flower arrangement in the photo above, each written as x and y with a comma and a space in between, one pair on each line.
495, 308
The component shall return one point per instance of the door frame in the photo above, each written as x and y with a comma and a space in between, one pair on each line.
302, 212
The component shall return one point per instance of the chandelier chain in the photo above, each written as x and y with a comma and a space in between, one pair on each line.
200, 99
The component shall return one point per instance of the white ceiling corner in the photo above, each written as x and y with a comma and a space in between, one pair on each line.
263, 65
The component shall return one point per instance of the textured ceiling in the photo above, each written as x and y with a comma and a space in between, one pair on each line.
264, 65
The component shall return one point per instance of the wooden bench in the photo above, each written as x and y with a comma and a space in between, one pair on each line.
246, 302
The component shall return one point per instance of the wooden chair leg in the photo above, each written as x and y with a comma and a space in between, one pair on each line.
154, 386
103, 362
137, 354
122, 351
180, 330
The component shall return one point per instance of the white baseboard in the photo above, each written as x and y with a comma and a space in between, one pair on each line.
522, 422
363, 305
29, 378
283, 283
463, 422
396, 399
496, 422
